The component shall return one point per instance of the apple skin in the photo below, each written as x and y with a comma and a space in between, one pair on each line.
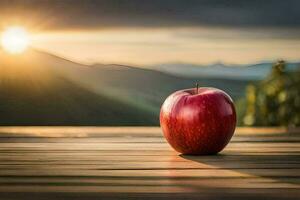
198, 121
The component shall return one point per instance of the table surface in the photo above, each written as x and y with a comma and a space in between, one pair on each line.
137, 163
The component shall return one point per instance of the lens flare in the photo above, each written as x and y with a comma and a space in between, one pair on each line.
15, 40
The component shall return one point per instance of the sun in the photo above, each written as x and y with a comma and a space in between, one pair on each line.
15, 40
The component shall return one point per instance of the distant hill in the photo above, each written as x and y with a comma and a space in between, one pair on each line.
37, 88
249, 72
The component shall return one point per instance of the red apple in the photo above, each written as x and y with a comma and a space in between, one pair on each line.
198, 120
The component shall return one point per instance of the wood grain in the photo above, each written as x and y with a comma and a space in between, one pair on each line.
137, 163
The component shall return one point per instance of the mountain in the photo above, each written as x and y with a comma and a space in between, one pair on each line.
38, 88
219, 70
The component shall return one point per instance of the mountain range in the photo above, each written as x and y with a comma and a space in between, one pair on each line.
37, 88
257, 71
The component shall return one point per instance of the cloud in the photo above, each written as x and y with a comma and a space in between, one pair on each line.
97, 14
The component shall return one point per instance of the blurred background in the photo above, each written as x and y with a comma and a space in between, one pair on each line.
114, 62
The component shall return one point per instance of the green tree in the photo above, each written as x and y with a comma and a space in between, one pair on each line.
274, 101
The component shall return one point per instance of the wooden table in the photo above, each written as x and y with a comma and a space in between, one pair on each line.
137, 163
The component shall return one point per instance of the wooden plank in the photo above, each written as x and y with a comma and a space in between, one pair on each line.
71, 131
131, 181
104, 162
204, 193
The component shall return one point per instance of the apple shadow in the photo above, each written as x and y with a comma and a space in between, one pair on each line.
275, 167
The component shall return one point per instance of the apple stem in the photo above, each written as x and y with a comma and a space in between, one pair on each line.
197, 88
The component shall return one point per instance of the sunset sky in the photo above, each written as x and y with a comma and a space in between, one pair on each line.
144, 32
